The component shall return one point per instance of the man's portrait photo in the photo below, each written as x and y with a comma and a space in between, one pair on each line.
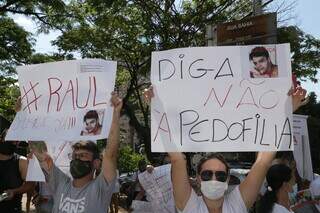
92, 124
262, 66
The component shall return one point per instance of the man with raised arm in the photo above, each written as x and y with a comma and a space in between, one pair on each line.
83, 193
213, 175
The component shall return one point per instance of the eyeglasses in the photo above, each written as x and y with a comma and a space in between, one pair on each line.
82, 155
208, 175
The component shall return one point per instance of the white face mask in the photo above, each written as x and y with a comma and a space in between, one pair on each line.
213, 189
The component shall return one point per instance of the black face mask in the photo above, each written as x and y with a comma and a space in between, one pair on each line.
7, 148
79, 168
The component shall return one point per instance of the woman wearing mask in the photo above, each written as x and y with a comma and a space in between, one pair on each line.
213, 175
276, 198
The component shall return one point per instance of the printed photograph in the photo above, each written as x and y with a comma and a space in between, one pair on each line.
263, 62
92, 122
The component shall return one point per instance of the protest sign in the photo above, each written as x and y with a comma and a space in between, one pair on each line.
66, 100
302, 154
141, 206
230, 99
34, 172
60, 153
159, 186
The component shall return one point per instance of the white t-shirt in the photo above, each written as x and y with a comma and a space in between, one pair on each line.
233, 203
280, 209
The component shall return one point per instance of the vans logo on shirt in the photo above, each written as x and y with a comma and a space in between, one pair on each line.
68, 205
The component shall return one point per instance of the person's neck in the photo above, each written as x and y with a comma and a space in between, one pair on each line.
80, 182
283, 199
5, 157
214, 206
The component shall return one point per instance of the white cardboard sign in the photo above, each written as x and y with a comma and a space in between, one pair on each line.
159, 186
207, 99
302, 154
34, 171
66, 100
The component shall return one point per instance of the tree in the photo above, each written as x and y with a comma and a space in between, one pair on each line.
15, 48
129, 160
305, 51
128, 31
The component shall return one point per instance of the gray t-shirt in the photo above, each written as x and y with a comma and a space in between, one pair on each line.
95, 196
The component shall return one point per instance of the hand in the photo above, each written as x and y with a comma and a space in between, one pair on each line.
17, 106
149, 168
11, 193
298, 97
148, 94
266, 157
116, 102
39, 149
176, 156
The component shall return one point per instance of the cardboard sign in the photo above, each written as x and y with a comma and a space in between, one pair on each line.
221, 99
66, 100
302, 154
34, 171
159, 186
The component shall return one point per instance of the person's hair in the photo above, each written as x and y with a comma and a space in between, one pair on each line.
258, 52
276, 176
210, 157
88, 146
91, 114
285, 155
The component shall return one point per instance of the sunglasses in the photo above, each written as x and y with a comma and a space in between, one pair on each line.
207, 175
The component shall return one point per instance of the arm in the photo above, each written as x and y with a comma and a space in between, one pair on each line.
179, 174
250, 187
298, 97
109, 163
54, 176
180, 179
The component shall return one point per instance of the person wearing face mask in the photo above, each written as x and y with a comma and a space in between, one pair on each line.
280, 184
84, 193
213, 175
13, 169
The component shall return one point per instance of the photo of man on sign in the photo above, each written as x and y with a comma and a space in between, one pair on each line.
92, 124
262, 64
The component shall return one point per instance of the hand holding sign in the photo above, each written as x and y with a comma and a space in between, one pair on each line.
39, 149
64, 105
298, 97
116, 102
148, 94
17, 106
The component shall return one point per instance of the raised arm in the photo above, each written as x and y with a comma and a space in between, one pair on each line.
180, 179
39, 149
179, 174
109, 163
250, 187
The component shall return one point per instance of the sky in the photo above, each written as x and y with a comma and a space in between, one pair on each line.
306, 15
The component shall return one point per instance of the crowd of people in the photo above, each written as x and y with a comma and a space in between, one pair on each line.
94, 179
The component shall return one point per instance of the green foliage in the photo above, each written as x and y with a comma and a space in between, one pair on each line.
128, 31
305, 51
9, 93
128, 159
15, 45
